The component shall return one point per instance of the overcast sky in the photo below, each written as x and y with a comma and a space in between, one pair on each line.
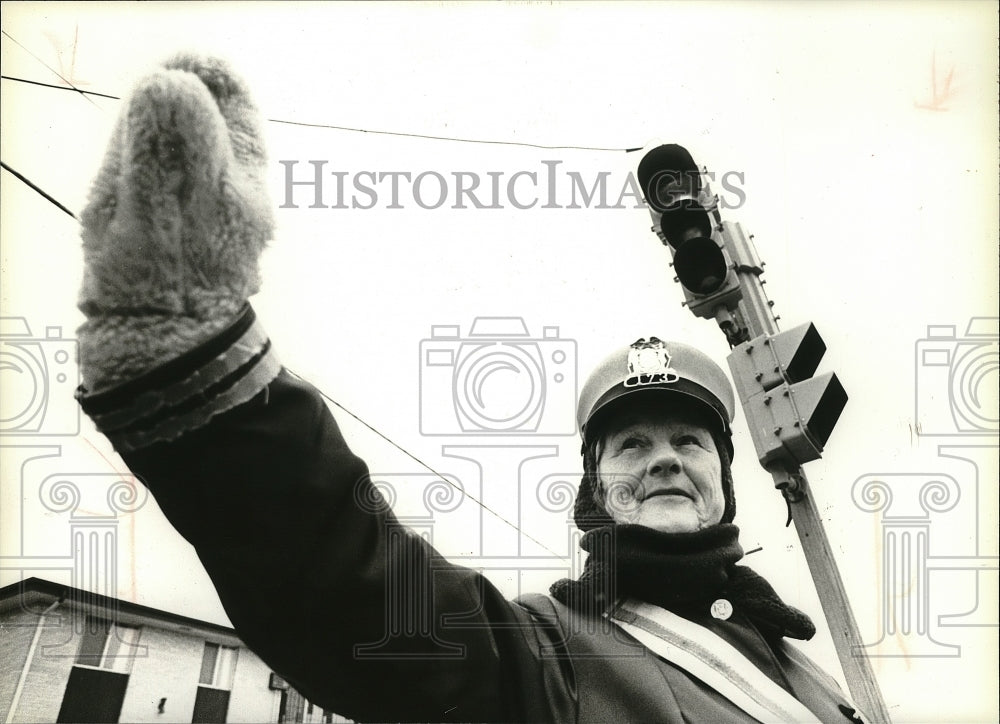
858, 144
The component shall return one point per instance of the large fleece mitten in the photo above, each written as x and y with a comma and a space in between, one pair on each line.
175, 223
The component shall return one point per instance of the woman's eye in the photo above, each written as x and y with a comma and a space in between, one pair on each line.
689, 440
629, 443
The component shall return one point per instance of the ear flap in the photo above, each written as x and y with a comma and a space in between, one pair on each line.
587, 512
729, 512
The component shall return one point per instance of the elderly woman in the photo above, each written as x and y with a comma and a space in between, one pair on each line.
360, 614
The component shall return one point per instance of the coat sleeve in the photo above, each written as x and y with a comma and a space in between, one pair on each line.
362, 616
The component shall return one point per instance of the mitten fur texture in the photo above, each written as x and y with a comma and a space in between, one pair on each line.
175, 223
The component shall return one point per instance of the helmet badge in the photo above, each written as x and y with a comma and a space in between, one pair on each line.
649, 363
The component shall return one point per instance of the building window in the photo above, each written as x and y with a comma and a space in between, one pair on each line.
96, 686
218, 667
107, 645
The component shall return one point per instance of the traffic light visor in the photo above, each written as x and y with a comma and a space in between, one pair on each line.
667, 175
820, 401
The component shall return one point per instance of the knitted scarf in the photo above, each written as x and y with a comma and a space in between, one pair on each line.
678, 571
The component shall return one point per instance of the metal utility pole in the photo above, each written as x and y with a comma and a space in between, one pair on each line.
790, 413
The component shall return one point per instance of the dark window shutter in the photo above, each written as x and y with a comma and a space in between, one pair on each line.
93, 695
210, 705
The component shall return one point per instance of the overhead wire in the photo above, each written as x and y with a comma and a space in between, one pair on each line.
330, 399
428, 466
454, 139
352, 129
36, 188
59, 87
85, 93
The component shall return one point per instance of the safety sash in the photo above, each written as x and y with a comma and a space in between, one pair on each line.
713, 660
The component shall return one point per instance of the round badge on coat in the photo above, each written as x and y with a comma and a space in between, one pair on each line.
722, 609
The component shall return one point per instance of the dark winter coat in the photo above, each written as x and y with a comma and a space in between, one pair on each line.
361, 615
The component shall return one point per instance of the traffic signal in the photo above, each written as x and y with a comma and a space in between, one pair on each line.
790, 413
671, 184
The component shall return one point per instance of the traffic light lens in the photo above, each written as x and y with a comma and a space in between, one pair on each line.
701, 266
684, 221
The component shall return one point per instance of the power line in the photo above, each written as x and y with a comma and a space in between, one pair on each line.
59, 87
428, 467
450, 138
399, 447
65, 210
36, 188
396, 445
350, 129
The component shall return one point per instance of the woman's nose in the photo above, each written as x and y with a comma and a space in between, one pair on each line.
663, 460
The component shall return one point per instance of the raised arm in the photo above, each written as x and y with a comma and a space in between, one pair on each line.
362, 615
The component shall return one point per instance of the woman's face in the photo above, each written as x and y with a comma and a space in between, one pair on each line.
660, 470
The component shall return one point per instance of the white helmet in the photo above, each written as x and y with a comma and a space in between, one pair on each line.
667, 368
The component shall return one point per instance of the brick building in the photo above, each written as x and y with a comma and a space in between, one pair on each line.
74, 656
